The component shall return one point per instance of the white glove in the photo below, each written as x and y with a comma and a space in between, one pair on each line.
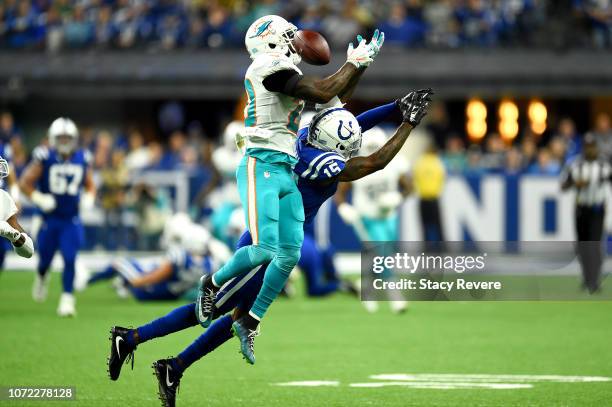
9, 232
88, 201
359, 56
46, 202
348, 213
375, 43
390, 200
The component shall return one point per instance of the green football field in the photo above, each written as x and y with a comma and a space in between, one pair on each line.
437, 354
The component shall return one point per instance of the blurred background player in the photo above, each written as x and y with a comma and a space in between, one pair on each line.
53, 181
277, 92
195, 253
222, 192
376, 198
10, 229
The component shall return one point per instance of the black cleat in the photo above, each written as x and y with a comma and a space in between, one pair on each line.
206, 300
120, 351
168, 382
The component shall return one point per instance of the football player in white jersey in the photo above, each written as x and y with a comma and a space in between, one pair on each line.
376, 198
9, 226
277, 92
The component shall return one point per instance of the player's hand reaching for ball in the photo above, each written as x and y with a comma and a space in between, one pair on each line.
414, 105
9, 232
360, 56
375, 44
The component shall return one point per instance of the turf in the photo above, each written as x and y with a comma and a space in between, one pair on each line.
331, 339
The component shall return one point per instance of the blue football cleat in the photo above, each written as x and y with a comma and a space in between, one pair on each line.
247, 340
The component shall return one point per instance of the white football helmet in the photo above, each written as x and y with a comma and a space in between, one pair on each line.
272, 34
63, 135
195, 240
373, 140
4, 168
335, 129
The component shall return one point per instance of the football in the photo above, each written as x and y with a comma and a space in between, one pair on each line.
312, 47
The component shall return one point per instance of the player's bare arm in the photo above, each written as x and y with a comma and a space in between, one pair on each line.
30, 177
161, 273
413, 107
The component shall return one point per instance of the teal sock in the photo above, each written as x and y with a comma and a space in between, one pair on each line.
244, 260
274, 280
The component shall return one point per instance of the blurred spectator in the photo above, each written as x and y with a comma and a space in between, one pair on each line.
342, 28
514, 161
152, 210
603, 135
429, 177
476, 23
529, 150
438, 124
599, 14
114, 180
78, 32
494, 157
546, 164
557, 150
573, 144
405, 29
474, 157
171, 24
454, 157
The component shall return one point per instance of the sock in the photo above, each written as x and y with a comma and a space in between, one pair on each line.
178, 319
217, 334
244, 260
68, 276
107, 274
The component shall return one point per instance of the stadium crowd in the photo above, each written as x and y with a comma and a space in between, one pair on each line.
171, 24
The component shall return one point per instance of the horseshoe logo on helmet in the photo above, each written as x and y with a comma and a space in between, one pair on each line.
341, 126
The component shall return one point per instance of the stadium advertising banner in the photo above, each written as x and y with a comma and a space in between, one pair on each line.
480, 208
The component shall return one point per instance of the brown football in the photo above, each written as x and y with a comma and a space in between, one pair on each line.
312, 47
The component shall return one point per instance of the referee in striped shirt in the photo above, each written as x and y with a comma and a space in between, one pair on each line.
590, 177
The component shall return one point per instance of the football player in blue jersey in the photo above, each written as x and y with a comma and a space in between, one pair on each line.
53, 181
326, 146
197, 254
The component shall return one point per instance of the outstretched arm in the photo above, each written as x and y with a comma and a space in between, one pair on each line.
359, 167
413, 107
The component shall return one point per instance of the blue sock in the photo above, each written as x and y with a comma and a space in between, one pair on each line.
68, 276
178, 319
107, 274
217, 334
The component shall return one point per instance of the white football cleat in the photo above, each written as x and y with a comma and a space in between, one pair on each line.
120, 288
370, 306
398, 307
40, 288
66, 307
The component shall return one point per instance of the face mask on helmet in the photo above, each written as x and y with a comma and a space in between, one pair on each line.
4, 168
335, 129
272, 34
63, 135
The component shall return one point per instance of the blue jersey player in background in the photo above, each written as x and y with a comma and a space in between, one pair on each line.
325, 151
54, 181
